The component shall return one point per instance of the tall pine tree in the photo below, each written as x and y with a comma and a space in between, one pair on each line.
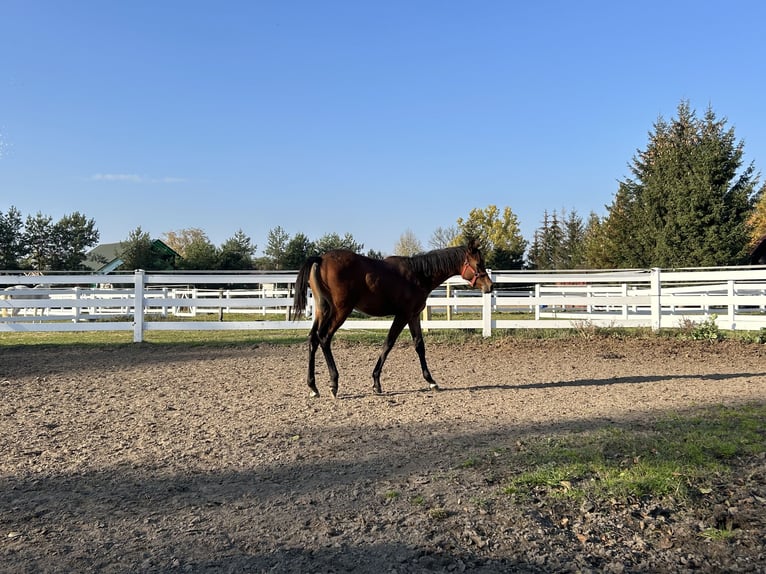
688, 200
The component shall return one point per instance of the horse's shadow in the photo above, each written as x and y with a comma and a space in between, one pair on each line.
607, 381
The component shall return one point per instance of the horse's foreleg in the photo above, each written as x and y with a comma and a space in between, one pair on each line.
420, 348
393, 333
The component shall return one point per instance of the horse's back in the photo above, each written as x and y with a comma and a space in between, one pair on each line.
376, 287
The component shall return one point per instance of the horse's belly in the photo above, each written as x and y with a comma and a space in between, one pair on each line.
376, 310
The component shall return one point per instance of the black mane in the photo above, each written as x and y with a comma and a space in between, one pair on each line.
437, 261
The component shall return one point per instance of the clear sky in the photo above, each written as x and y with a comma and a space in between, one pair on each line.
366, 117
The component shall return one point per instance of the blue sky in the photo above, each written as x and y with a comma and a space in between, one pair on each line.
363, 117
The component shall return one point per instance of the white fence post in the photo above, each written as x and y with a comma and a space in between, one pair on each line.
486, 311
77, 309
138, 307
655, 298
537, 302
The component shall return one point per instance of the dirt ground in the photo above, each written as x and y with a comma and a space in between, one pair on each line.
155, 458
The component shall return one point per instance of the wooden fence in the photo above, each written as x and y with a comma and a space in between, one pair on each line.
149, 301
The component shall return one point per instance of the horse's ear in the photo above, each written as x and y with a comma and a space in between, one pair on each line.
473, 244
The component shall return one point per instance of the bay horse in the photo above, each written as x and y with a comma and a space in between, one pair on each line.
342, 281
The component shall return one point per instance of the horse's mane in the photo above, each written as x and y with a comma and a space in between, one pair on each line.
437, 261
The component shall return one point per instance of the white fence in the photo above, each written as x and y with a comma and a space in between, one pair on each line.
148, 301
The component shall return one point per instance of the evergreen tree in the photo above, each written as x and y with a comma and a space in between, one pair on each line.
559, 242
38, 237
276, 247
71, 236
136, 251
688, 199
373, 254
236, 252
12, 245
298, 250
596, 251
551, 242
572, 251
200, 254
331, 241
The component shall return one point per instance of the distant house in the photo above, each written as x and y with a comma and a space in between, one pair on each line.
105, 258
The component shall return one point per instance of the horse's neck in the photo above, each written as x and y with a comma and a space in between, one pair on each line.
439, 278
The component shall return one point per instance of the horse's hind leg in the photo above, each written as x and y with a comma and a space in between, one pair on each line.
325, 335
319, 337
313, 344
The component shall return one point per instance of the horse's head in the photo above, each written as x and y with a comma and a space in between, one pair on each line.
473, 268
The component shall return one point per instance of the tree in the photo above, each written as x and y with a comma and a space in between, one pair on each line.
444, 237
236, 252
136, 251
408, 244
276, 247
71, 236
756, 221
545, 252
180, 240
596, 253
12, 245
200, 254
498, 234
688, 199
298, 250
332, 241
38, 237
571, 251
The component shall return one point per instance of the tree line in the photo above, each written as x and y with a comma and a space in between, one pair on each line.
689, 201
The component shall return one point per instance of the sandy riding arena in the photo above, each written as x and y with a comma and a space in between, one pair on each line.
160, 458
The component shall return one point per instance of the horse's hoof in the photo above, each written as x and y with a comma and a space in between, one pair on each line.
434, 387
334, 393
314, 394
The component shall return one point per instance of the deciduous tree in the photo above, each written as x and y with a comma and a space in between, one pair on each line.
408, 244
499, 235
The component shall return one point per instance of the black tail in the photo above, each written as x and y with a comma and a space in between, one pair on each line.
301, 287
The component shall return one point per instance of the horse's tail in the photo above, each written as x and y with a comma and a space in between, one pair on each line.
301, 287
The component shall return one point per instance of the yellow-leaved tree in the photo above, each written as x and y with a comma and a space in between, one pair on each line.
756, 222
499, 235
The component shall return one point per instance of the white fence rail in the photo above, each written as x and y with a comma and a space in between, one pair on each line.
148, 301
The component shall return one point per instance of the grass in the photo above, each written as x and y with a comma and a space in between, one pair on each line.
358, 336
679, 455
213, 338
